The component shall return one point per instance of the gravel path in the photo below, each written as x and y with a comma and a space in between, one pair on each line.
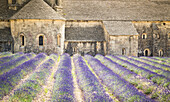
77, 91
45, 95
6, 98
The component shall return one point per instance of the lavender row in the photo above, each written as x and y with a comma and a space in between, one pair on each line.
166, 59
5, 67
120, 87
54, 56
92, 89
147, 66
156, 78
63, 86
139, 82
4, 54
164, 67
9, 58
156, 60
12, 78
33, 85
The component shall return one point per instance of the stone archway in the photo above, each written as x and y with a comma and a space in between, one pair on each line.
146, 52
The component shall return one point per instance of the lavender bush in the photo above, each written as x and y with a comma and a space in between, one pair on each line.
165, 67
141, 83
156, 78
11, 78
157, 60
147, 66
123, 89
9, 58
89, 84
4, 54
63, 86
5, 67
54, 56
29, 89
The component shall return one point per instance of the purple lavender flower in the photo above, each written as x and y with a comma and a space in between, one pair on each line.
156, 78
148, 66
28, 90
114, 82
63, 86
5, 67
5, 54
92, 89
165, 67
11, 78
140, 82
9, 58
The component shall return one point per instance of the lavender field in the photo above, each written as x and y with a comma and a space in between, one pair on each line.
62, 78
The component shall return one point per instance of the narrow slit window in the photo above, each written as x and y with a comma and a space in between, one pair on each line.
56, 2
41, 40
161, 53
58, 39
123, 51
22, 38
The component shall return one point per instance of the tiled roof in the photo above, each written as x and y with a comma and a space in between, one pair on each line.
117, 10
5, 13
120, 28
84, 31
37, 9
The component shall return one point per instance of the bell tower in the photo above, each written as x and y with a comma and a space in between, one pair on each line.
15, 4
56, 4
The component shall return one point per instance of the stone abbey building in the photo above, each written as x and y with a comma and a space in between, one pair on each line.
118, 27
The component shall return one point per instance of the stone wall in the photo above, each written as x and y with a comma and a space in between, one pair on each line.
156, 37
4, 24
32, 29
118, 43
85, 47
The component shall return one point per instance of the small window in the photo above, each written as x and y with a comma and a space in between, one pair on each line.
58, 39
41, 40
22, 39
161, 53
144, 36
123, 51
13, 1
169, 36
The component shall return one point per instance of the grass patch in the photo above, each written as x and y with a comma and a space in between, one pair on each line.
148, 91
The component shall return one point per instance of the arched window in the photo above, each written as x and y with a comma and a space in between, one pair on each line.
161, 53
22, 40
144, 36
58, 39
13, 1
41, 40
146, 52
123, 51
